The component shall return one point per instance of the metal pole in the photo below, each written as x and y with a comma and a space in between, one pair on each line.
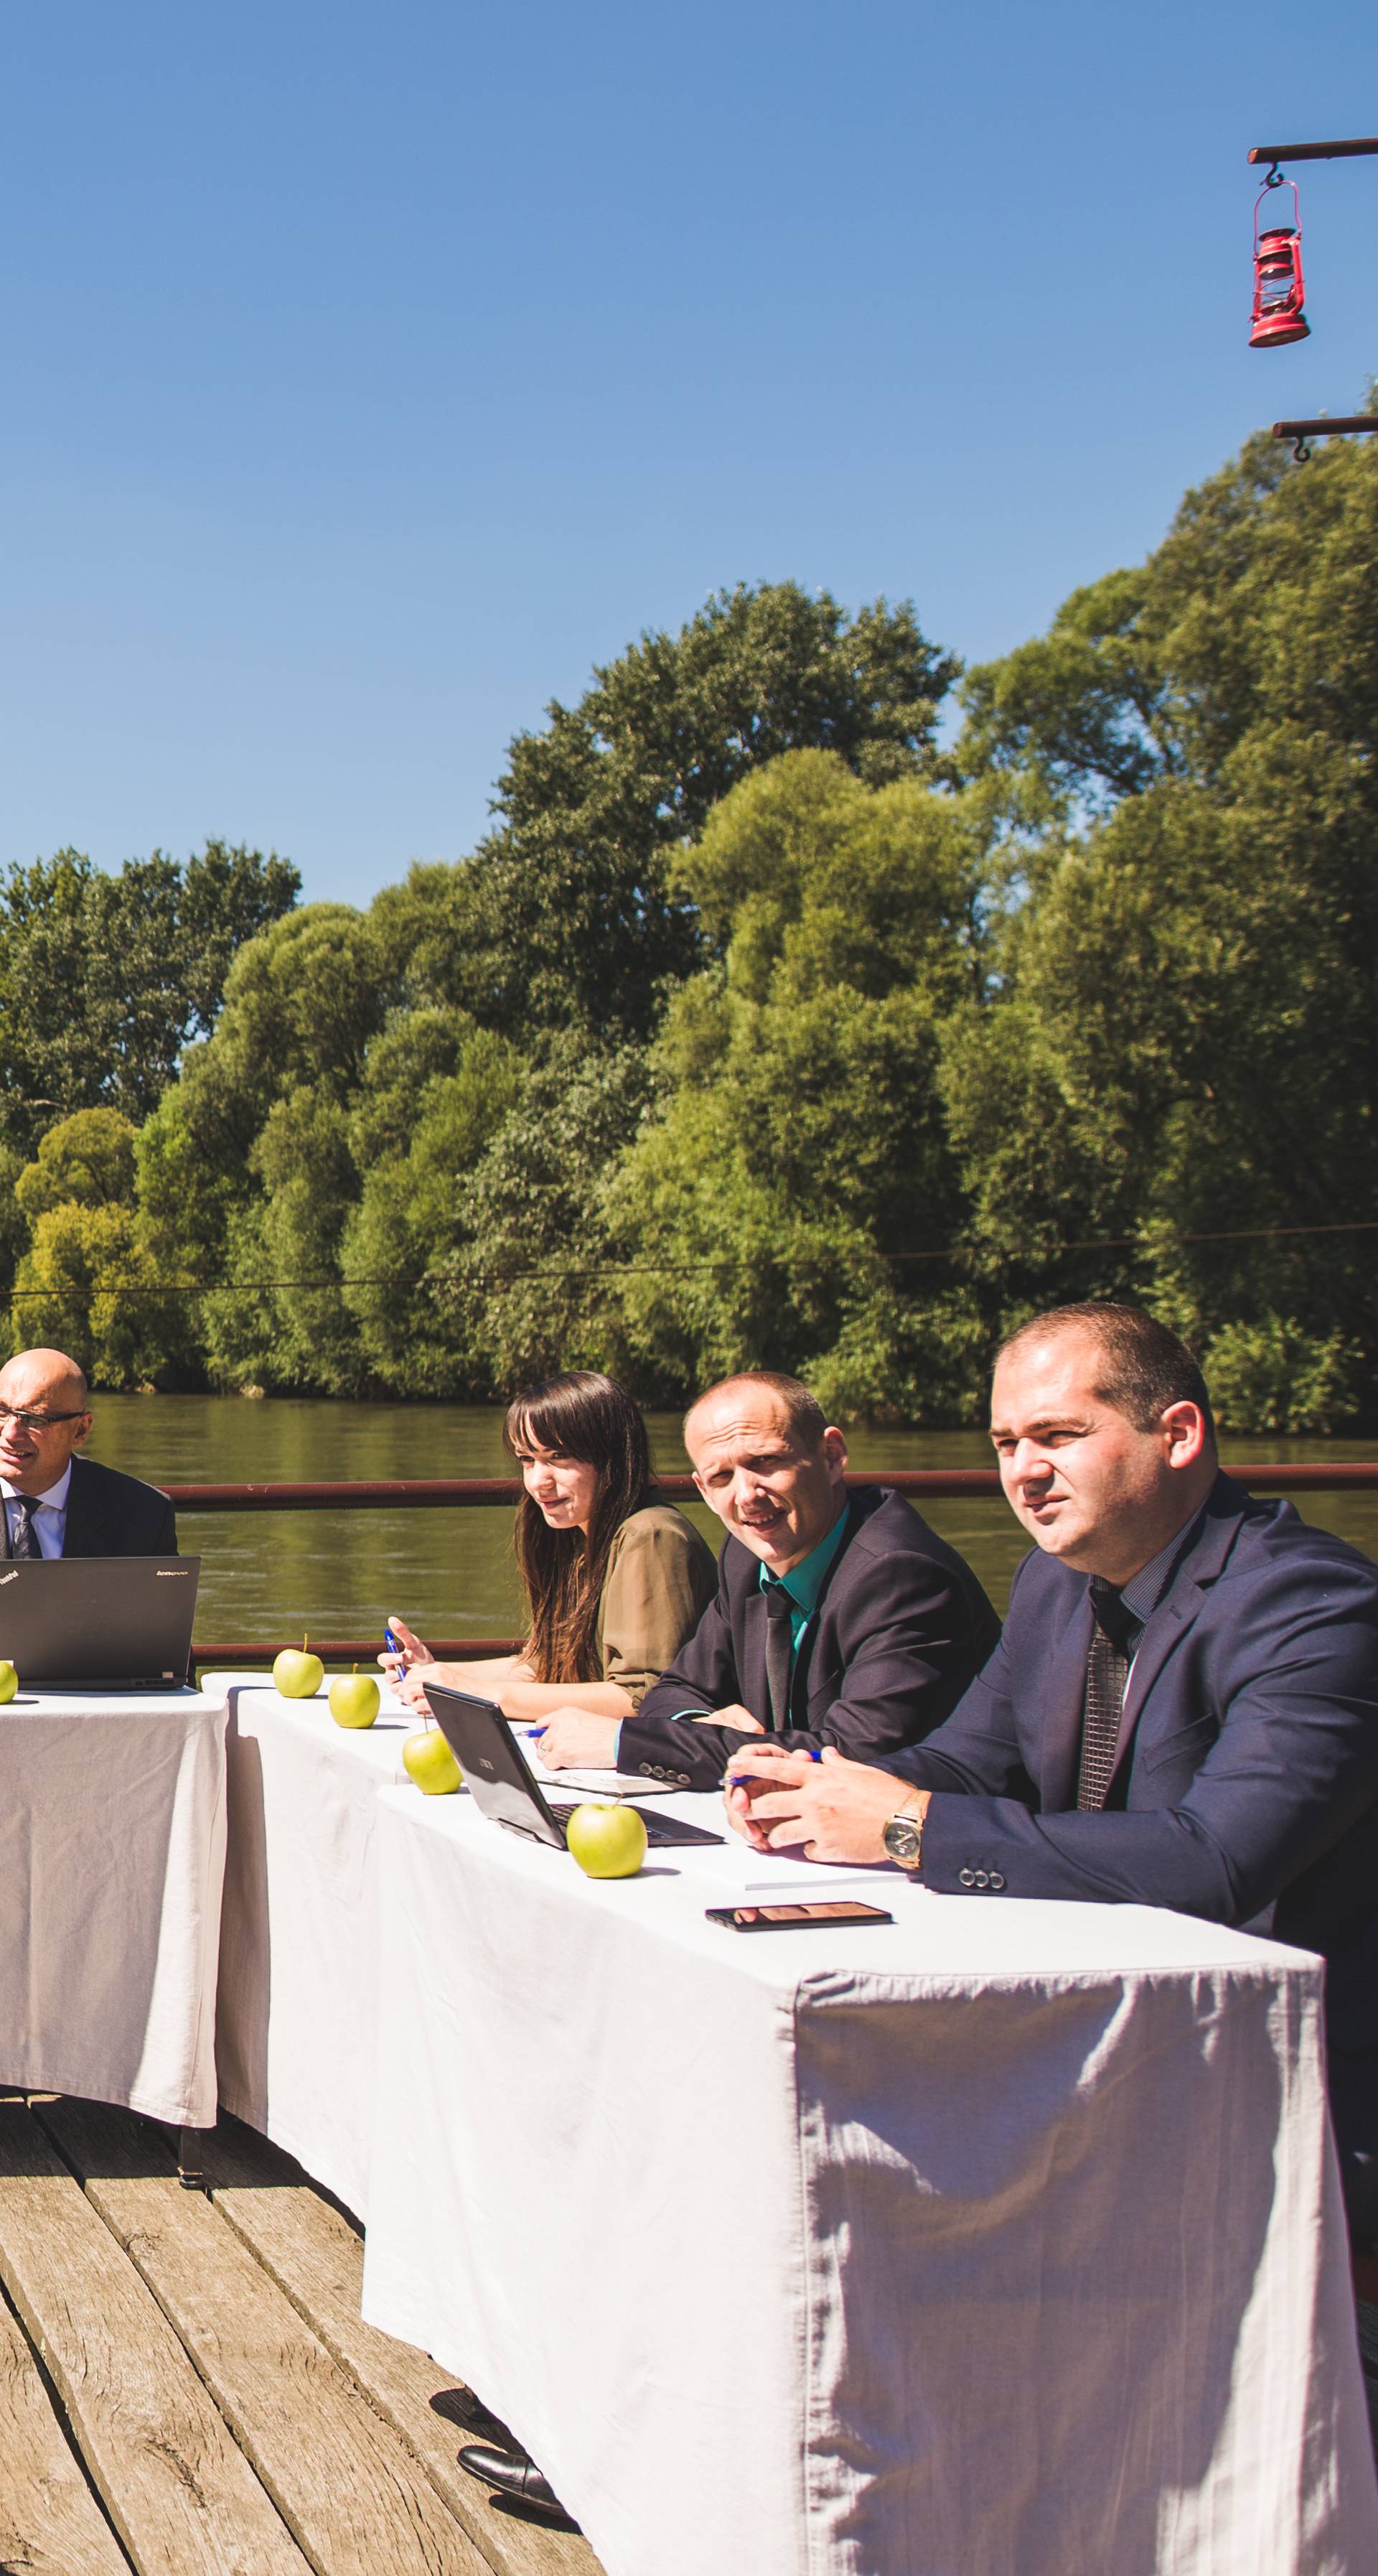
1351, 424
1362, 148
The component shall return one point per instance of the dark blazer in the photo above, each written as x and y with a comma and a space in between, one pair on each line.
1246, 1789
111, 1515
901, 1626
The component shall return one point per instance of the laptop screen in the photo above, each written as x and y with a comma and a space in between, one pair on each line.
495, 1772
111, 1619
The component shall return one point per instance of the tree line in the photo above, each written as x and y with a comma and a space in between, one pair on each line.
762, 1028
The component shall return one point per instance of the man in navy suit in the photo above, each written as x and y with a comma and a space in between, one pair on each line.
55, 1502
1182, 1709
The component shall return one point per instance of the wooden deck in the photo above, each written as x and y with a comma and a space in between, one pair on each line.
187, 2387
186, 2384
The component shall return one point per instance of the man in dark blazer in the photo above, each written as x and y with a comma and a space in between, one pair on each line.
57, 1503
1182, 1710
840, 1618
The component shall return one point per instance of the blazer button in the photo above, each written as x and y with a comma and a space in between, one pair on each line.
983, 1878
966, 1878
645, 1770
995, 1879
659, 1771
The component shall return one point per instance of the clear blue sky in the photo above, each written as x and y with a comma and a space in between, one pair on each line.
372, 371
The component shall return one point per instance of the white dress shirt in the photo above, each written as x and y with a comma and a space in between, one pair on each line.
49, 1521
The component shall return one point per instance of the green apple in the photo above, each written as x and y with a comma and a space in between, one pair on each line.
354, 1698
9, 1683
431, 1764
297, 1674
607, 1842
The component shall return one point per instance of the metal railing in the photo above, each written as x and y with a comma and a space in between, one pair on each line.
449, 1493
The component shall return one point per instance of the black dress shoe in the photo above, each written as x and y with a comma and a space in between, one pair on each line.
515, 2474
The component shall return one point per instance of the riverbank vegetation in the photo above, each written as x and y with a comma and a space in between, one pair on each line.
761, 1027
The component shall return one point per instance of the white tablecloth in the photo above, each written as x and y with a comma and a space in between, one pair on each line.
298, 2007
1002, 2243
112, 1846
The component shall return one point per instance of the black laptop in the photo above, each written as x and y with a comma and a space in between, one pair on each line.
98, 1622
503, 1785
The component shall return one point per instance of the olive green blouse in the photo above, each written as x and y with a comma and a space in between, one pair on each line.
660, 1579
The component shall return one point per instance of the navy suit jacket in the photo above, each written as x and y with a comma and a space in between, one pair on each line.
1246, 1786
109, 1514
901, 1626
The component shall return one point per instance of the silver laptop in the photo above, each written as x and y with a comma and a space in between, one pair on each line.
101, 1622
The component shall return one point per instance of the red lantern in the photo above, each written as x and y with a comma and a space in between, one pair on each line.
1279, 287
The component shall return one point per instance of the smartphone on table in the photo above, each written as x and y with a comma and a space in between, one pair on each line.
839, 1912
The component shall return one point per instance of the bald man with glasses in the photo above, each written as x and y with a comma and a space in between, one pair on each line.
56, 1502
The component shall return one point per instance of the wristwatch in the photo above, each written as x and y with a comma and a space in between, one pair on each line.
903, 1836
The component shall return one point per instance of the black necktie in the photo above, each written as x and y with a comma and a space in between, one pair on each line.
1107, 1671
779, 1653
23, 1544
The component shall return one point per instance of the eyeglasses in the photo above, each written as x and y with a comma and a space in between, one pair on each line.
37, 1421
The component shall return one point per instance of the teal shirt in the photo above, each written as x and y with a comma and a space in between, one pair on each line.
804, 1581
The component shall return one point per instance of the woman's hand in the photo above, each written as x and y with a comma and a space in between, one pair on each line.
410, 1688
574, 1739
397, 1664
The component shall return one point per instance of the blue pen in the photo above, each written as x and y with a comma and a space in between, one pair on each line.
753, 1780
395, 1646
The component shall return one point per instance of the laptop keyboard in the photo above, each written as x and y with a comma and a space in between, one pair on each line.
659, 1829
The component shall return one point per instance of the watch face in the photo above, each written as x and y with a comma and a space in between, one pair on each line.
902, 1839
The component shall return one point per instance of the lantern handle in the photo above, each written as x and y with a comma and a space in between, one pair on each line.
1275, 179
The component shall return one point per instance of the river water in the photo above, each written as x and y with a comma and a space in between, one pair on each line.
450, 1573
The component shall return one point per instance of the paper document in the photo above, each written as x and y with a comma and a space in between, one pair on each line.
601, 1784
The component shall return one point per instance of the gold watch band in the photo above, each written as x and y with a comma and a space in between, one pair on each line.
912, 1812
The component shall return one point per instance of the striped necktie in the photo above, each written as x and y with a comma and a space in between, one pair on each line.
1107, 1672
23, 1543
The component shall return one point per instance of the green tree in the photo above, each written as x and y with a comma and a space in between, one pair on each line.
1182, 1038
89, 1157
310, 1166
62, 1290
245, 1172
104, 980
567, 915
79, 1284
755, 1031
436, 1091
777, 1209
302, 1002
533, 1285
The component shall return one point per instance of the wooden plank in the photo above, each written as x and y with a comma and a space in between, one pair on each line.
50, 2524
317, 2258
182, 2498
350, 2492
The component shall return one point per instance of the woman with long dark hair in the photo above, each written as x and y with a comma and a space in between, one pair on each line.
615, 1579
